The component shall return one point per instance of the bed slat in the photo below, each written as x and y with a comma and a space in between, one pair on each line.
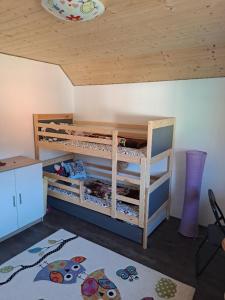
62, 178
64, 187
75, 138
128, 200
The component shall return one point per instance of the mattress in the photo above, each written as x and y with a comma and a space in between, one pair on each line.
136, 153
129, 210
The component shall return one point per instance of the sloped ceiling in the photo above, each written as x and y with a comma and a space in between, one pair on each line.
134, 41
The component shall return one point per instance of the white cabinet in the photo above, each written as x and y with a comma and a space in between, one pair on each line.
21, 195
8, 209
29, 194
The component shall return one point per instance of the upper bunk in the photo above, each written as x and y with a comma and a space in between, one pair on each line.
130, 143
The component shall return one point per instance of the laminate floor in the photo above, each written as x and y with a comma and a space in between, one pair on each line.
168, 251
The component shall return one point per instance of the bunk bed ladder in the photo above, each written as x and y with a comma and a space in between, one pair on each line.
142, 193
114, 172
147, 184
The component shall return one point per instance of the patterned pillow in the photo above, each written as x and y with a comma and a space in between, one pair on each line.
75, 169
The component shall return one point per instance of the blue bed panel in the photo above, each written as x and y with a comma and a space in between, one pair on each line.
162, 139
57, 121
157, 221
159, 197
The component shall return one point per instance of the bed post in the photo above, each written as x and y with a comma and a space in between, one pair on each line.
81, 192
170, 169
142, 192
114, 172
147, 184
36, 146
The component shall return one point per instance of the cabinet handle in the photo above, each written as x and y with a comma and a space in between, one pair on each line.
20, 197
14, 201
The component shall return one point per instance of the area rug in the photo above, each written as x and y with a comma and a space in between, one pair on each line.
67, 267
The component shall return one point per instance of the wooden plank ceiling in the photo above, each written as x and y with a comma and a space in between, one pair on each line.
134, 41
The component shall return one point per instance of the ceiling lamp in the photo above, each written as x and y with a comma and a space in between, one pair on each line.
74, 10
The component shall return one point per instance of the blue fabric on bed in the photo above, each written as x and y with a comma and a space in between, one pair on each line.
75, 170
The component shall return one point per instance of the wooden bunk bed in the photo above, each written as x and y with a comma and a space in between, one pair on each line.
101, 140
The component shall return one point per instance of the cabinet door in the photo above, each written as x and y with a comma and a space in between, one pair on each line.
8, 209
29, 190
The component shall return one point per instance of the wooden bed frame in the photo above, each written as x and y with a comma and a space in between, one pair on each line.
157, 149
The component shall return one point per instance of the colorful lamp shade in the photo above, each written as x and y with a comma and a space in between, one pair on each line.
74, 10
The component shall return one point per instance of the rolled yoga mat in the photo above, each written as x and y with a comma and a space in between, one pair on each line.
195, 162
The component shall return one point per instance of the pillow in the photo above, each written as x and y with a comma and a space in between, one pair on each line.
132, 143
75, 169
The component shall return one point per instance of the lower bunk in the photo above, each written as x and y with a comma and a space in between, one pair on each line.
96, 210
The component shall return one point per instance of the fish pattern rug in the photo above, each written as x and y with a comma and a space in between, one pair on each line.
67, 267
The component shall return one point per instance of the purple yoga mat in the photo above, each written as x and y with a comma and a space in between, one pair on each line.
195, 162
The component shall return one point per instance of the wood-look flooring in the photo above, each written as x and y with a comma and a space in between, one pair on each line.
168, 251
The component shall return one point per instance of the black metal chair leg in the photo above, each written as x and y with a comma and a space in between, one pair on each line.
199, 271
197, 255
216, 234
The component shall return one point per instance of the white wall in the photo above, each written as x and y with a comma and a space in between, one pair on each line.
28, 87
198, 105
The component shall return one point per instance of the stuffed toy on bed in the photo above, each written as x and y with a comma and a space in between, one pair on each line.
60, 170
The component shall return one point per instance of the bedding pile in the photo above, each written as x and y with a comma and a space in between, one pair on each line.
122, 141
106, 148
103, 189
99, 193
126, 146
